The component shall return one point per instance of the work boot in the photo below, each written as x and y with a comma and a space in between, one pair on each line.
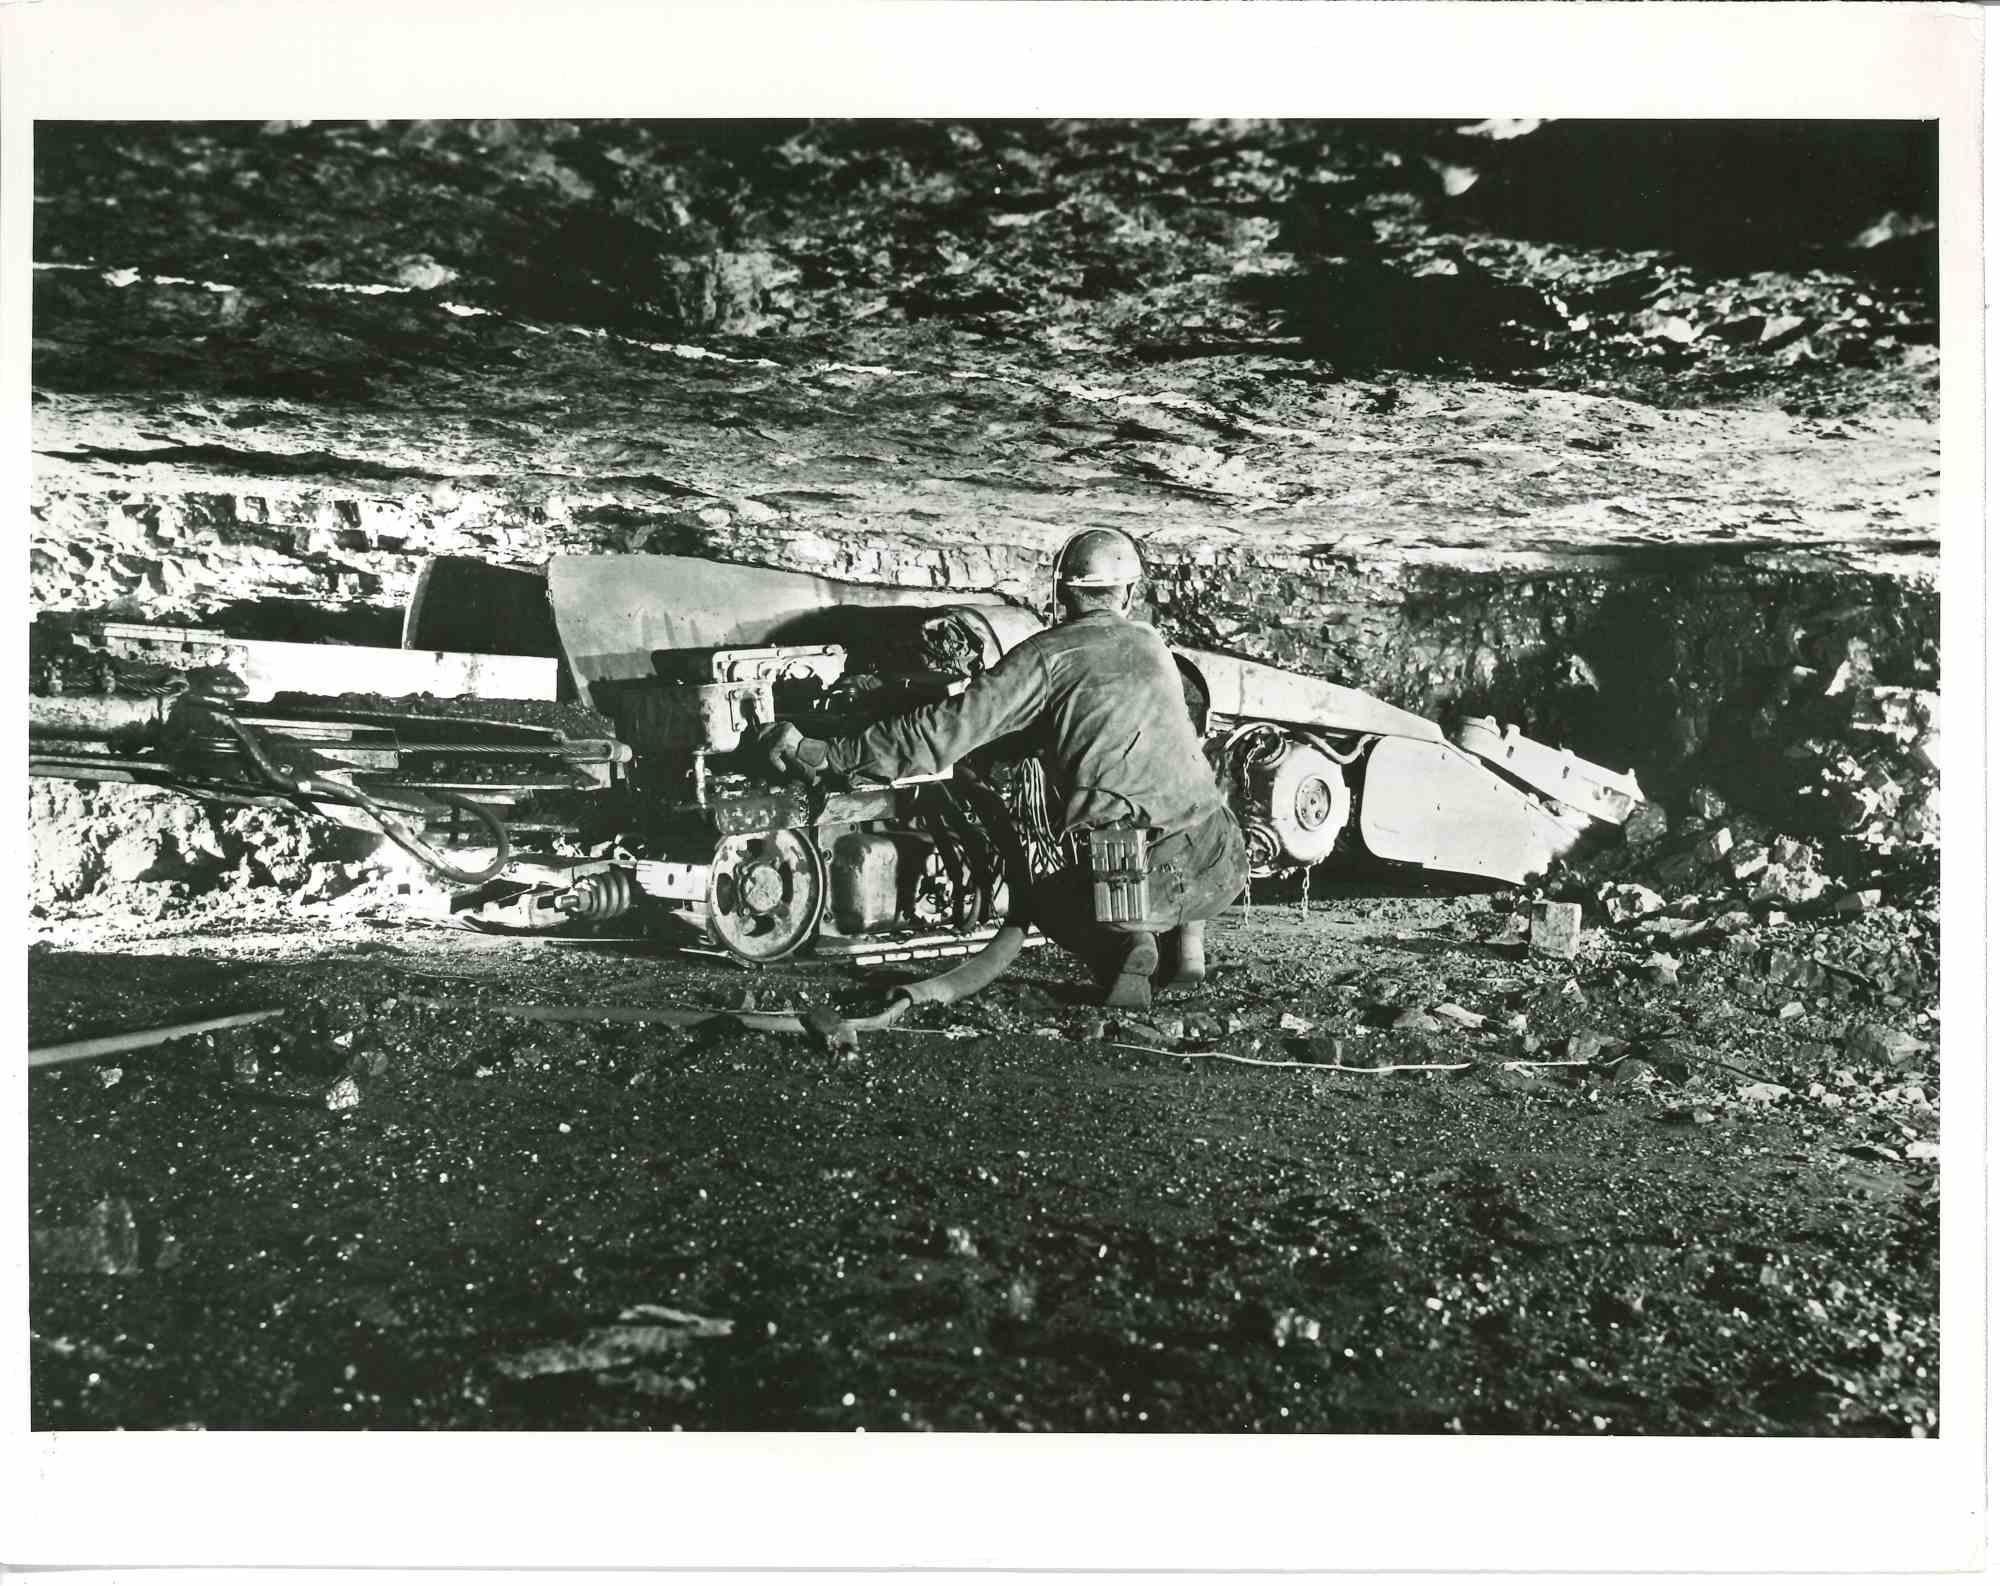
1186, 963
1129, 982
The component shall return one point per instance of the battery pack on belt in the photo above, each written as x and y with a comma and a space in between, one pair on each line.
1120, 888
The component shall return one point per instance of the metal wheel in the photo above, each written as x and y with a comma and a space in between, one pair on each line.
766, 893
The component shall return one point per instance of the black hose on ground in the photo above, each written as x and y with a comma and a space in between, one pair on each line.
973, 975
997, 956
969, 978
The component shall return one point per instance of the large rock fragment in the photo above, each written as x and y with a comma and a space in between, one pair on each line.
1627, 902
738, 293
1883, 1045
1555, 929
1646, 827
1786, 968
1784, 884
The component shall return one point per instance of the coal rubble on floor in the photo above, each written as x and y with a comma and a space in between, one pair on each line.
1827, 798
1819, 888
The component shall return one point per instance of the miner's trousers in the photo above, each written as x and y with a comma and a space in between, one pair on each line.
1191, 875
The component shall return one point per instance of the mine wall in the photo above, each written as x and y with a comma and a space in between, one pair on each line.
1633, 648
1684, 665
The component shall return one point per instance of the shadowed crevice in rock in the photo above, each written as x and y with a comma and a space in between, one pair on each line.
312, 465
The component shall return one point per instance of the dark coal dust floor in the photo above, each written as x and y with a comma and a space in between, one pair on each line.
996, 1218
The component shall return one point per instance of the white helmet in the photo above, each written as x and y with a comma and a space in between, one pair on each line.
1094, 559
1099, 559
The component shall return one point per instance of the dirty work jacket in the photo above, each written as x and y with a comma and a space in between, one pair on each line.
1101, 700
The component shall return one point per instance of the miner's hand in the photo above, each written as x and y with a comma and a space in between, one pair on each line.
791, 752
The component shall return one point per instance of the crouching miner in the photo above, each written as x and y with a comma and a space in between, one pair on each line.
1152, 848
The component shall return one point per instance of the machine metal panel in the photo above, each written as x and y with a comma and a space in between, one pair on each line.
772, 663
679, 883
1433, 805
1565, 777
712, 717
863, 873
275, 666
1250, 690
615, 614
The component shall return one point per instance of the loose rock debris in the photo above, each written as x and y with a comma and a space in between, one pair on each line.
868, 1222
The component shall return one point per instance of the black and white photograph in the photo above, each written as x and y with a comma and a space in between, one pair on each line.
1063, 773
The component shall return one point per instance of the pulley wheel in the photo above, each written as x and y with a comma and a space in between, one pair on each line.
766, 893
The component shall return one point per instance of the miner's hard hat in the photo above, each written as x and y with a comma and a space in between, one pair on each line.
1099, 559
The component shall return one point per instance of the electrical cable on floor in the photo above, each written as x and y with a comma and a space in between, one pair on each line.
1276, 1062
1516, 1063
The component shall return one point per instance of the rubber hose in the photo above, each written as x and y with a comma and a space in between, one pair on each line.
997, 956
682, 1018
975, 974
971, 977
